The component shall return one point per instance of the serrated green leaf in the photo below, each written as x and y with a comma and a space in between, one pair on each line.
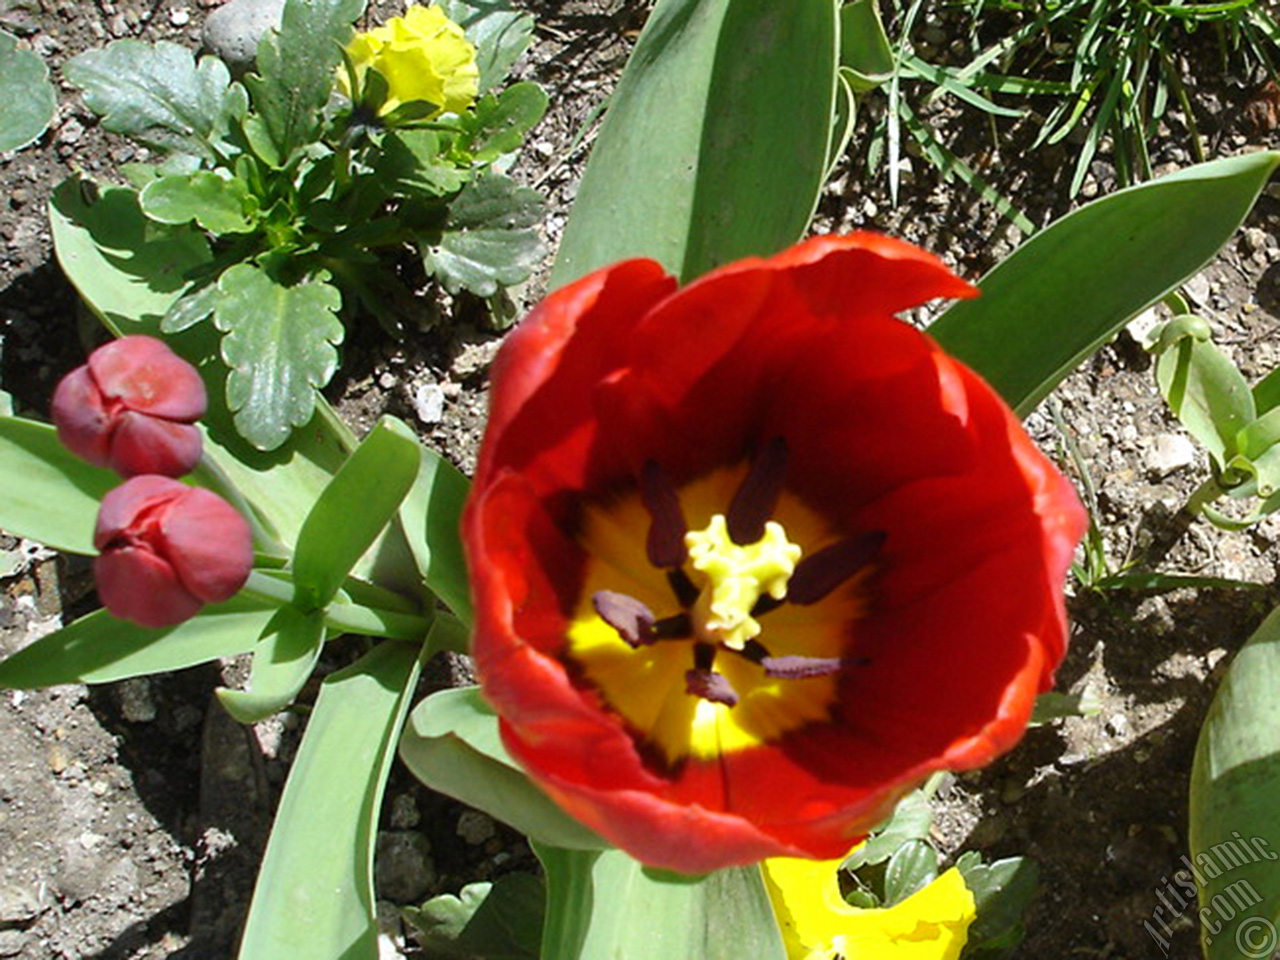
592, 899
451, 744
498, 921
314, 896
1064, 292
1002, 891
219, 204
411, 163
913, 866
498, 124
910, 821
432, 514
499, 32
488, 238
280, 345
682, 170
27, 98
98, 648
50, 495
296, 70
377, 476
157, 94
282, 662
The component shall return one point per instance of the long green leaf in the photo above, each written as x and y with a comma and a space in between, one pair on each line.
605, 904
314, 896
98, 648
1235, 821
720, 103
431, 514
282, 663
49, 494
375, 477
451, 744
1065, 291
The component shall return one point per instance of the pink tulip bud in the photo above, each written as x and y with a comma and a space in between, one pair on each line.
131, 409
166, 549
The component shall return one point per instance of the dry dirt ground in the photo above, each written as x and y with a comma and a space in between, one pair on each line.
131, 815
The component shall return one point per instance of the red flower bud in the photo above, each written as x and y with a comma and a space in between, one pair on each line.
167, 549
131, 409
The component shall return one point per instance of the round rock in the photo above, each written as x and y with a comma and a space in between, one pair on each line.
233, 31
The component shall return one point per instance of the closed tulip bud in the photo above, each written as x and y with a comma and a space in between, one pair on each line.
131, 409
167, 549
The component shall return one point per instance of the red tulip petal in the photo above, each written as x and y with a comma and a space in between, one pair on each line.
81, 418
136, 585
123, 507
146, 376
144, 444
208, 543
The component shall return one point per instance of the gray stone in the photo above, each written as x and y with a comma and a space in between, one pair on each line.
19, 904
403, 868
1169, 452
428, 403
12, 942
233, 31
475, 827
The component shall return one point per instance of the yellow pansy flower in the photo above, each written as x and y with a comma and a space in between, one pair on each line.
817, 923
423, 56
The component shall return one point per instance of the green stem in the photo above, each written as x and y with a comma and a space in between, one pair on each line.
1204, 494
209, 473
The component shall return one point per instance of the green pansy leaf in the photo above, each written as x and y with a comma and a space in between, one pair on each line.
282, 662
499, 33
498, 124
594, 900
314, 896
489, 237
451, 744
411, 163
50, 495
189, 309
498, 921
377, 476
913, 866
157, 94
1060, 295
219, 204
1002, 891
910, 821
27, 98
280, 345
297, 69
98, 648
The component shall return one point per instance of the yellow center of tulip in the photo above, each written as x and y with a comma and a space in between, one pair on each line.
707, 656
735, 577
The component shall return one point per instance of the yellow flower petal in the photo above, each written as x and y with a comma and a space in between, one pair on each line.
817, 923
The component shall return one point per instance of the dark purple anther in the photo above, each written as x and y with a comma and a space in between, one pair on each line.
819, 573
631, 618
799, 668
710, 685
754, 503
665, 543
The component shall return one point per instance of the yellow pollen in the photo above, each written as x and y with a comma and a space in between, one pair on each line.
734, 577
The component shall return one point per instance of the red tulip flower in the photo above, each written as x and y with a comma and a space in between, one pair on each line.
131, 409
167, 549
750, 559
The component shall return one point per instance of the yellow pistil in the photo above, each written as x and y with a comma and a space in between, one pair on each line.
734, 577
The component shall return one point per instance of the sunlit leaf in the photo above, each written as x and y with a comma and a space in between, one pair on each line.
216, 203
431, 515
498, 921
499, 32
282, 663
27, 98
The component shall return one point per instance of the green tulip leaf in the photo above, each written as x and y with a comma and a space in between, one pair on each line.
377, 476
865, 51
282, 663
98, 648
721, 102
27, 98
50, 495
592, 911
218, 204
1203, 388
431, 514
498, 31
1266, 393
489, 237
451, 744
158, 95
1234, 781
498, 921
1060, 295
280, 346
297, 66
314, 896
